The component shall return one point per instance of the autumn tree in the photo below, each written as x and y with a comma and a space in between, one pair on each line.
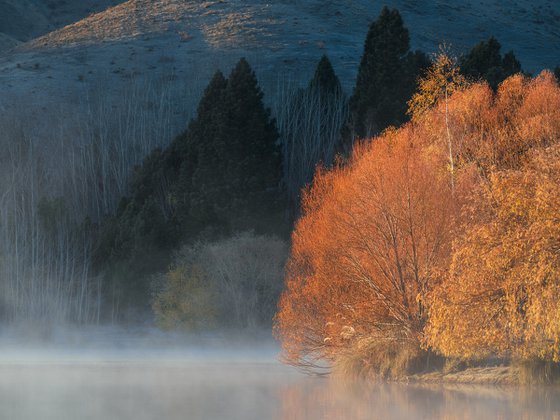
442, 79
497, 297
365, 253
372, 251
501, 296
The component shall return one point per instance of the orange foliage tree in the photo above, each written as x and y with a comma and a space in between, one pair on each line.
497, 131
373, 248
373, 237
499, 296
442, 79
436, 87
503, 291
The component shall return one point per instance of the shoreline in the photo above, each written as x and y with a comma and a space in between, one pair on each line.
493, 375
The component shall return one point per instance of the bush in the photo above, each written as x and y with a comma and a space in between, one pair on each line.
234, 282
185, 302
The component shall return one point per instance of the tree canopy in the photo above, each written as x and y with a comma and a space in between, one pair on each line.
391, 252
325, 79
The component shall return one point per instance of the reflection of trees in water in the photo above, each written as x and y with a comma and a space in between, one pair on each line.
329, 399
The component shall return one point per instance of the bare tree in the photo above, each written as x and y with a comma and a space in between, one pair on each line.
310, 123
60, 172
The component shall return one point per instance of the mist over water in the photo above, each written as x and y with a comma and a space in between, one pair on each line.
145, 374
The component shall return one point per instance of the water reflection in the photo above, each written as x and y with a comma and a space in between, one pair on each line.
223, 388
331, 400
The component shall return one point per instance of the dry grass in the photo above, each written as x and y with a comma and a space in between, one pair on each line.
372, 358
221, 24
494, 375
453, 365
393, 361
386, 360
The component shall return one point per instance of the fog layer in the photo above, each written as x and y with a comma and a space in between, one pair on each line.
141, 374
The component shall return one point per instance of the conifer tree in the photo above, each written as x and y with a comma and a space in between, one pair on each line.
310, 122
325, 79
484, 62
222, 174
249, 147
199, 161
386, 77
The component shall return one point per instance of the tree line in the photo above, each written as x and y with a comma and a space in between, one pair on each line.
134, 200
238, 169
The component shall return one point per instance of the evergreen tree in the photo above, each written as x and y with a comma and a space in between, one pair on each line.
252, 168
557, 73
153, 214
386, 77
199, 162
222, 174
325, 79
484, 62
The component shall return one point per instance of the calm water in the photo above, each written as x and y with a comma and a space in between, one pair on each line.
133, 383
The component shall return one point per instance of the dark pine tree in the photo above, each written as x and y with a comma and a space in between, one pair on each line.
324, 88
251, 170
198, 160
157, 215
484, 62
325, 79
386, 78
223, 174
152, 214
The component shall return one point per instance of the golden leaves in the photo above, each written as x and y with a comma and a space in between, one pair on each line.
386, 246
502, 293
442, 80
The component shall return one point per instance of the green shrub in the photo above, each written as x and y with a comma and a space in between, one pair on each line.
185, 301
233, 282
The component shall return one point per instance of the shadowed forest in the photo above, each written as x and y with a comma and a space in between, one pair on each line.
408, 226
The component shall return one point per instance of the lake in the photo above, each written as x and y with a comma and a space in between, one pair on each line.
219, 381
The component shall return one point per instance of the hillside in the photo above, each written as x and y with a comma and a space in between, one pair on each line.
179, 43
529, 27
23, 20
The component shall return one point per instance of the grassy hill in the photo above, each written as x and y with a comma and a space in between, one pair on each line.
178, 44
22, 20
